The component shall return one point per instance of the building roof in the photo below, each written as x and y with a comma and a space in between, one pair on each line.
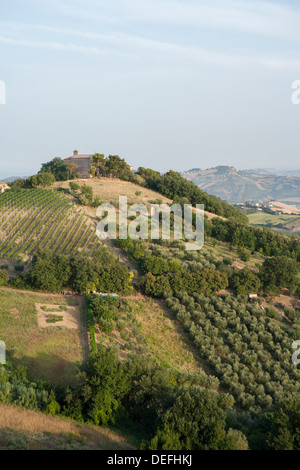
79, 156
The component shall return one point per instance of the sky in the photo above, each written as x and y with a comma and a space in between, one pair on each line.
165, 84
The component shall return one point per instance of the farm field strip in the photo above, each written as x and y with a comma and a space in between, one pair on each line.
77, 236
28, 236
25, 206
42, 218
69, 237
40, 235
33, 219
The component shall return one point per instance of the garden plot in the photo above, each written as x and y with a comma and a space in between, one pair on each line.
58, 315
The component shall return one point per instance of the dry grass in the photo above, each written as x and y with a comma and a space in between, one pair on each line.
34, 427
53, 353
109, 189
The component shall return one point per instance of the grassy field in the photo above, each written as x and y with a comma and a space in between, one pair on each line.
22, 429
285, 222
146, 325
109, 189
52, 353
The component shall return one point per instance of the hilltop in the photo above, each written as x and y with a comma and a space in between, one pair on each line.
236, 186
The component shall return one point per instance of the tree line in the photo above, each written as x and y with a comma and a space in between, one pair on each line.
165, 409
50, 273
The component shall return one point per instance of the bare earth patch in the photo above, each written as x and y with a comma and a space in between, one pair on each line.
15, 312
71, 316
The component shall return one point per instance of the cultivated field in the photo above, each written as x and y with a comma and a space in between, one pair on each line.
53, 353
36, 218
285, 222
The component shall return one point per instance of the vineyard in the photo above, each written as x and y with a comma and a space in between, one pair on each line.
39, 218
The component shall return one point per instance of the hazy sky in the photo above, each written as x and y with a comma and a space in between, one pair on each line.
163, 83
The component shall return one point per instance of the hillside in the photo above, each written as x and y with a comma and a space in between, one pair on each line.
237, 186
40, 218
22, 429
182, 321
109, 190
285, 223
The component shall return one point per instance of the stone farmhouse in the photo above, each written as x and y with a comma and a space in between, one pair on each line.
83, 162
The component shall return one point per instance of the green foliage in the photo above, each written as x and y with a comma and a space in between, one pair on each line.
17, 389
42, 273
45, 179
196, 421
175, 187
249, 352
87, 191
112, 166
244, 254
74, 186
244, 281
101, 273
252, 238
285, 426
3, 277
102, 387
58, 169
105, 310
148, 174
279, 272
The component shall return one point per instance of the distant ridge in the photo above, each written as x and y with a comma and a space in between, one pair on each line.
236, 186
11, 179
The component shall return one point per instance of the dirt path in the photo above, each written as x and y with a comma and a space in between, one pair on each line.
40, 294
122, 256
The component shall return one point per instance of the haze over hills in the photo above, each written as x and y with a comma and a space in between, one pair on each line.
11, 179
236, 186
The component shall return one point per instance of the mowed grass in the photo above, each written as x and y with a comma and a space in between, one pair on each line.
53, 354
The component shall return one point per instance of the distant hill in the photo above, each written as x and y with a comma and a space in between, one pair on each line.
11, 179
235, 186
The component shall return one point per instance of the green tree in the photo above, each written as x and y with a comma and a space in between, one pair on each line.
108, 382
285, 426
71, 168
244, 281
3, 277
196, 421
45, 179
57, 167
279, 272
42, 273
